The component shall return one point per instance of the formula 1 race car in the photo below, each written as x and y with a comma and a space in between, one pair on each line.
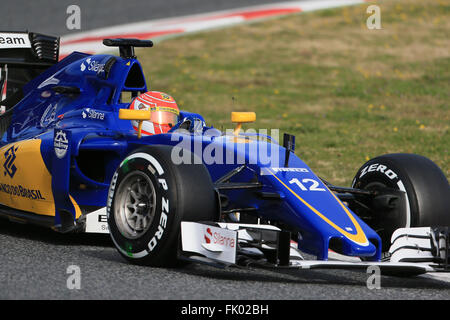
72, 161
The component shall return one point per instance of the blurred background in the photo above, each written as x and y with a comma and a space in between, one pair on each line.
49, 16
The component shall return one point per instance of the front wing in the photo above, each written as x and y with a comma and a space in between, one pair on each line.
414, 250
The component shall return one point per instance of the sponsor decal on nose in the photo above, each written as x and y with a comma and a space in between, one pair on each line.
208, 234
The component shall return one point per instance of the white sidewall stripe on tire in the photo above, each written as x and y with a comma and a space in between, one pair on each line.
148, 157
401, 186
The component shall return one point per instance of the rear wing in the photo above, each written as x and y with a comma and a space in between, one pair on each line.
28, 49
23, 56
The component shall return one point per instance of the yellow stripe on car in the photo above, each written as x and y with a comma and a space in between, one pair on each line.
360, 238
25, 183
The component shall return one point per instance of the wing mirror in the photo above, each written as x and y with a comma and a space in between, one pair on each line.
241, 117
138, 115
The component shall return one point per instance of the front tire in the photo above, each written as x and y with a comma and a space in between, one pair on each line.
148, 198
426, 189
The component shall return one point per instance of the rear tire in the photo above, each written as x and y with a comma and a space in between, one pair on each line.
425, 185
148, 198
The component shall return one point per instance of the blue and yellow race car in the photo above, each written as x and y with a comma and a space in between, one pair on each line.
87, 147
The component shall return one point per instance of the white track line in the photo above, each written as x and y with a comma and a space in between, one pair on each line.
91, 41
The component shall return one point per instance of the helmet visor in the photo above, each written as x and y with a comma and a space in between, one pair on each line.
162, 115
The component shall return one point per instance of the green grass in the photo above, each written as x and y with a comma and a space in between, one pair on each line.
346, 92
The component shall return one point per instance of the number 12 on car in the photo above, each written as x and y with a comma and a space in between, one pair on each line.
307, 184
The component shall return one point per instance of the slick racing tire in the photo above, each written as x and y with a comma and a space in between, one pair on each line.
148, 198
426, 192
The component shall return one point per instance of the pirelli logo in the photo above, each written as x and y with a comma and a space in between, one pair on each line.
14, 41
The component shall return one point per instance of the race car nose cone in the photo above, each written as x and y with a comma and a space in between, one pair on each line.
350, 248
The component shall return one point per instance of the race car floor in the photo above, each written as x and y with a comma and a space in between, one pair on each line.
35, 265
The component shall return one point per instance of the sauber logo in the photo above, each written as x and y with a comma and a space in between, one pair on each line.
10, 156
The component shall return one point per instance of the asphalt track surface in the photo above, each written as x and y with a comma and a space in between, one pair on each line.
50, 16
34, 261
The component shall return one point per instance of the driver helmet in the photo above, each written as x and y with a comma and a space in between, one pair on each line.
164, 112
